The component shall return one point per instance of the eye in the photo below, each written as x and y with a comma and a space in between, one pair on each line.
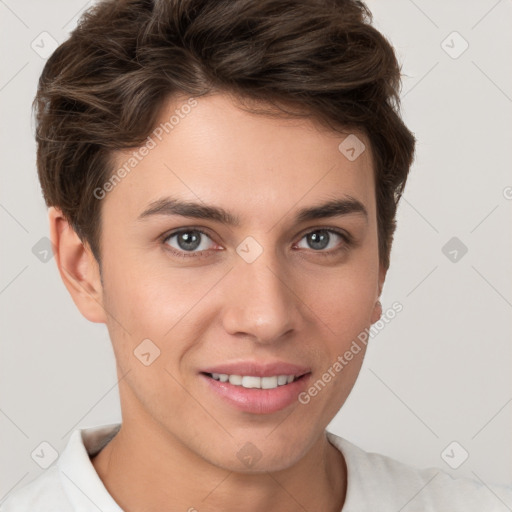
324, 240
193, 242
188, 241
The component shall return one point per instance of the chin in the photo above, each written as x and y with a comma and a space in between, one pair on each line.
257, 454
257, 466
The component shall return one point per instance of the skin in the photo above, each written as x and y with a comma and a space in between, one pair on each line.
177, 448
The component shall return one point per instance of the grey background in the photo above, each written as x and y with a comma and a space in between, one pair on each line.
438, 373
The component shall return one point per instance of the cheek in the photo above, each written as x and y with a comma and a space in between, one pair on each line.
148, 300
343, 300
164, 308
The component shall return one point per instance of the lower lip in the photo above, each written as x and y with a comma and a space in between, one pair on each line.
258, 401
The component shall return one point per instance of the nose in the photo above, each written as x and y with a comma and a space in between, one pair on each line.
260, 303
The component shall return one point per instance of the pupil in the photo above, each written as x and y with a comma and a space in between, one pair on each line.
186, 241
319, 239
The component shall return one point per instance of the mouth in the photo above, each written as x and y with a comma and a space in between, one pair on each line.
256, 394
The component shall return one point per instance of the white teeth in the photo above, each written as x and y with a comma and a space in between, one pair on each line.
268, 382
235, 379
282, 380
220, 376
249, 381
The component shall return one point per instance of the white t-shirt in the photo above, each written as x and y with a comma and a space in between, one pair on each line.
375, 483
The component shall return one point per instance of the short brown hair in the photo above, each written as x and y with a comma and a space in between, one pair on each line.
103, 88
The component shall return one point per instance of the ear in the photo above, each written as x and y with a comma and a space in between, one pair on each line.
78, 268
377, 309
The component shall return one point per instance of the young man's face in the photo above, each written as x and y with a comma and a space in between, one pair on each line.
238, 299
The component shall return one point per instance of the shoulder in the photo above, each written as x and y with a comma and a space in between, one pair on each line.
378, 481
71, 483
44, 494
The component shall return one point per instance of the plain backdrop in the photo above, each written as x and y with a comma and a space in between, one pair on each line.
439, 373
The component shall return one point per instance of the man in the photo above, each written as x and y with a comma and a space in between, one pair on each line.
223, 180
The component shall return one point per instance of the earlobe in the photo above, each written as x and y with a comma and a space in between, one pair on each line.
377, 312
77, 266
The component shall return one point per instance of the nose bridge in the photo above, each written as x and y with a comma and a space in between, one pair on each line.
262, 304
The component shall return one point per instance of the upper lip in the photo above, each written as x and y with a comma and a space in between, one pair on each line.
256, 369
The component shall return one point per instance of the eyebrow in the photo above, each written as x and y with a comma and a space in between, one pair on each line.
169, 206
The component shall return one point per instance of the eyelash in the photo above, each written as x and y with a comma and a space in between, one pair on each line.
346, 237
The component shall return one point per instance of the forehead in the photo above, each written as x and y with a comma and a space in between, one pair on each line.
210, 150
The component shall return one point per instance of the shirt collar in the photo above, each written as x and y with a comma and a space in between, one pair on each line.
81, 483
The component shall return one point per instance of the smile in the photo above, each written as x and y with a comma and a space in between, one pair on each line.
250, 381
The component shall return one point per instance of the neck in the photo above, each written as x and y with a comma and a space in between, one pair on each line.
144, 470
